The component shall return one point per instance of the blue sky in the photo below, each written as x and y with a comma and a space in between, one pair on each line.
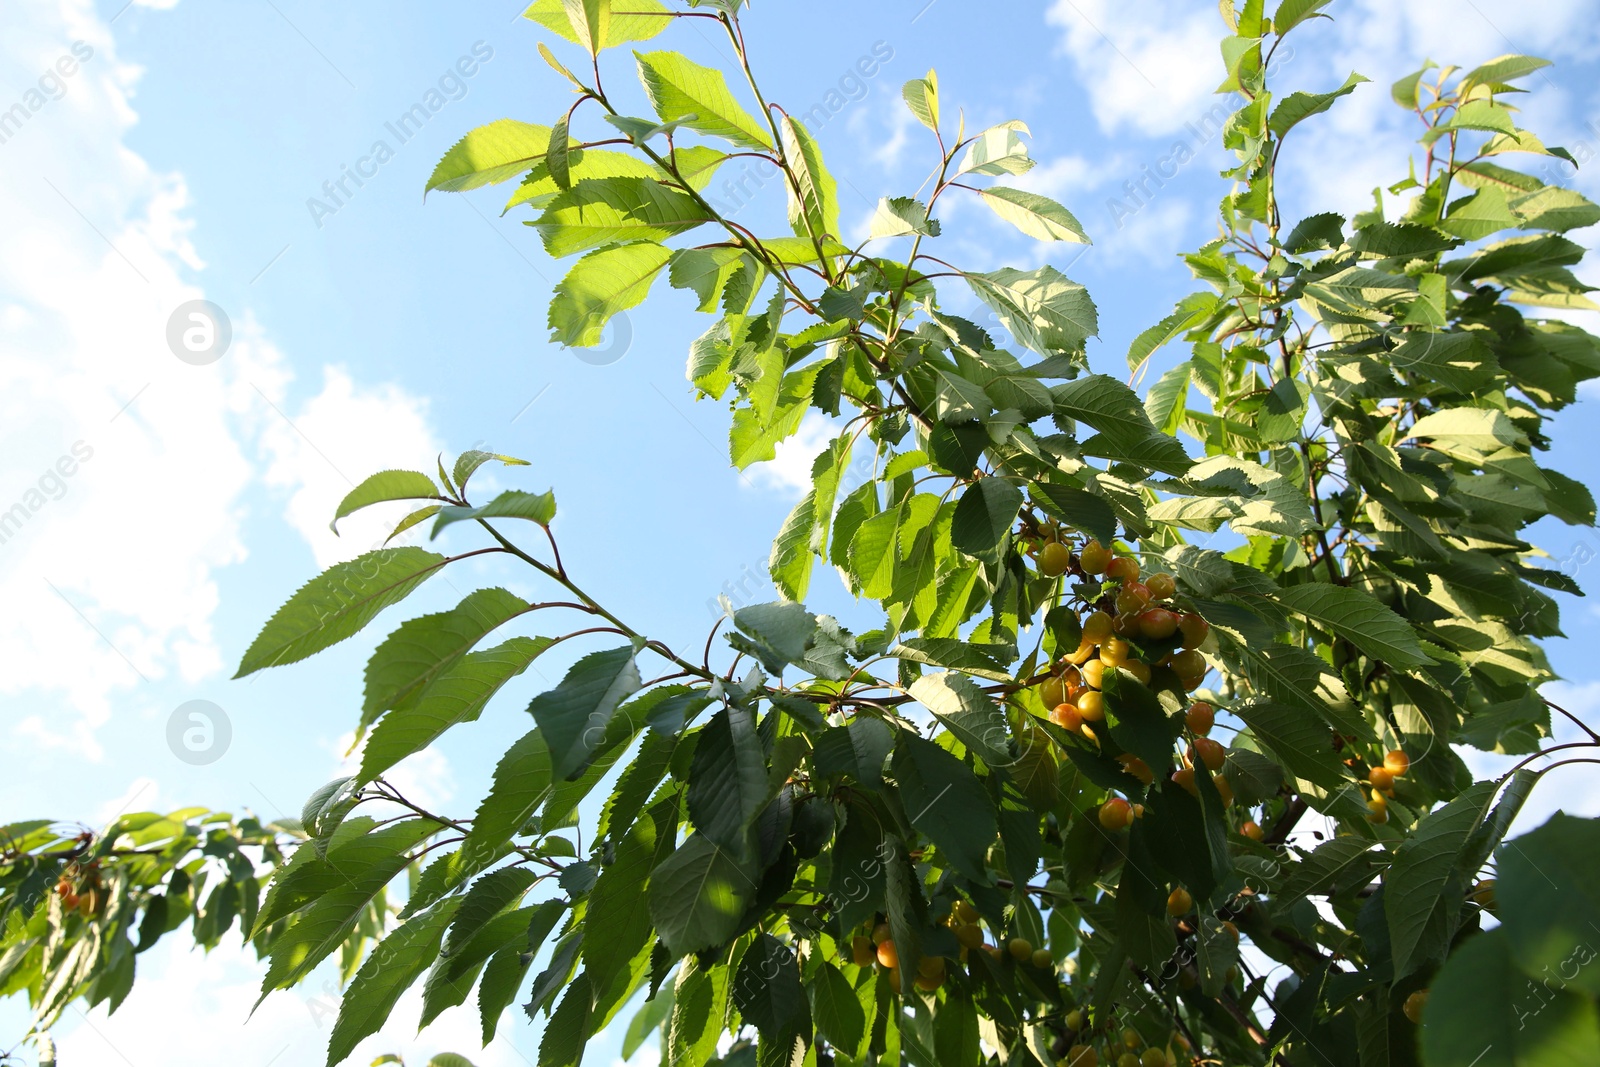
176, 163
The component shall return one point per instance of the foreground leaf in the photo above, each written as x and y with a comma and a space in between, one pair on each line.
490, 154
337, 604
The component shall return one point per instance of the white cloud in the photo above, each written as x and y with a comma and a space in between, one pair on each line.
126, 478
1065, 177
789, 472
337, 439
890, 127
1148, 66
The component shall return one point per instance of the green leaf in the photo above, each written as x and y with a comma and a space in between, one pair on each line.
540, 186
1549, 899
521, 782
873, 555
1044, 310
410, 659
337, 604
1317, 231
1148, 939
683, 91
768, 993
837, 1010
1166, 402
1158, 452
782, 632
488, 898
1292, 13
458, 694
944, 800
728, 779
1484, 114
1217, 953
361, 861
601, 212
801, 249
1484, 1012
1297, 107
805, 531
590, 21
1190, 312
468, 463
1078, 508
922, 98
489, 155
902, 216
421, 515
984, 515
953, 653
563, 961
556, 159
1035, 215
600, 285
856, 751
1460, 360
754, 435
511, 504
1485, 212
1292, 675
1360, 619
1302, 743
618, 920
509, 966
1555, 208
699, 895
966, 711
567, 1032
463, 959
642, 20
814, 205
1106, 404
1255, 501
574, 715
1424, 888
385, 486
1136, 719
707, 271
699, 1005
1482, 429
903, 897
997, 150
650, 1016
1502, 70
405, 954
1240, 56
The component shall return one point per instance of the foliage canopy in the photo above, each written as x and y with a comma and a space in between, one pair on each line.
994, 828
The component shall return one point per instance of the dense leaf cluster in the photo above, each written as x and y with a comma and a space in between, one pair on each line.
995, 827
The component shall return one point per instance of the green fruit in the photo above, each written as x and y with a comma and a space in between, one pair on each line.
1054, 558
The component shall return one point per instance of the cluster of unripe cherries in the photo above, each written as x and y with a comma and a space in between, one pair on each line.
79, 890
1072, 691
1381, 779
1118, 814
878, 948
1084, 1055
